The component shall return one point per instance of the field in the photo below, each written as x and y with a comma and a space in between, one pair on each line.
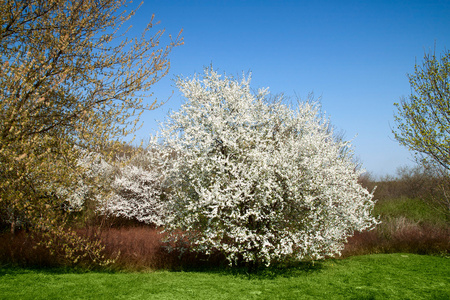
379, 276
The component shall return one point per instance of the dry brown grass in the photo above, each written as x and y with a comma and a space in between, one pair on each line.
141, 247
400, 235
135, 248
22, 250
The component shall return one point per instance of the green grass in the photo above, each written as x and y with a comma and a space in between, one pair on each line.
413, 209
387, 276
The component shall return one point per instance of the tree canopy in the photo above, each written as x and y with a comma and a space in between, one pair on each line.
71, 80
255, 179
423, 120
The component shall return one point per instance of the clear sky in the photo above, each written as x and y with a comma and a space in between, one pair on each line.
353, 55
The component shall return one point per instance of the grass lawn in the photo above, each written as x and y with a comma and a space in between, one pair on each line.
379, 276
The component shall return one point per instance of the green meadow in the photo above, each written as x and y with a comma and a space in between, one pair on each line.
376, 276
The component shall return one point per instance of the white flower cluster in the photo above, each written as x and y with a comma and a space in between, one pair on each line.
257, 180
91, 181
126, 188
137, 193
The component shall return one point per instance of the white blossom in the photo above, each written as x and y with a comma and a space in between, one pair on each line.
257, 180
129, 188
91, 182
137, 193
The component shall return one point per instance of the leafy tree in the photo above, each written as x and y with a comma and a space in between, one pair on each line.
255, 179
70, 81
423, 120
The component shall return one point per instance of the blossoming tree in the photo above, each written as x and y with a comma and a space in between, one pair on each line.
258, 180
137, 191
129, 187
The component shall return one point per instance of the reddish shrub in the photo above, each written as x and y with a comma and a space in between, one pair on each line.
21, 249
141, 247
400, 236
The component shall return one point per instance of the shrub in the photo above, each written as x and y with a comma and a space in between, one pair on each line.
255, 179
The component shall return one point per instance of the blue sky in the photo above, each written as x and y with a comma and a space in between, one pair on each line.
353, 55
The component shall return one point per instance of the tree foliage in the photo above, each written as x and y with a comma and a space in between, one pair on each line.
255, 179
70, 81
423, 120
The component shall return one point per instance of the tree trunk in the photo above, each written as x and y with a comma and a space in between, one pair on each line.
13, 227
